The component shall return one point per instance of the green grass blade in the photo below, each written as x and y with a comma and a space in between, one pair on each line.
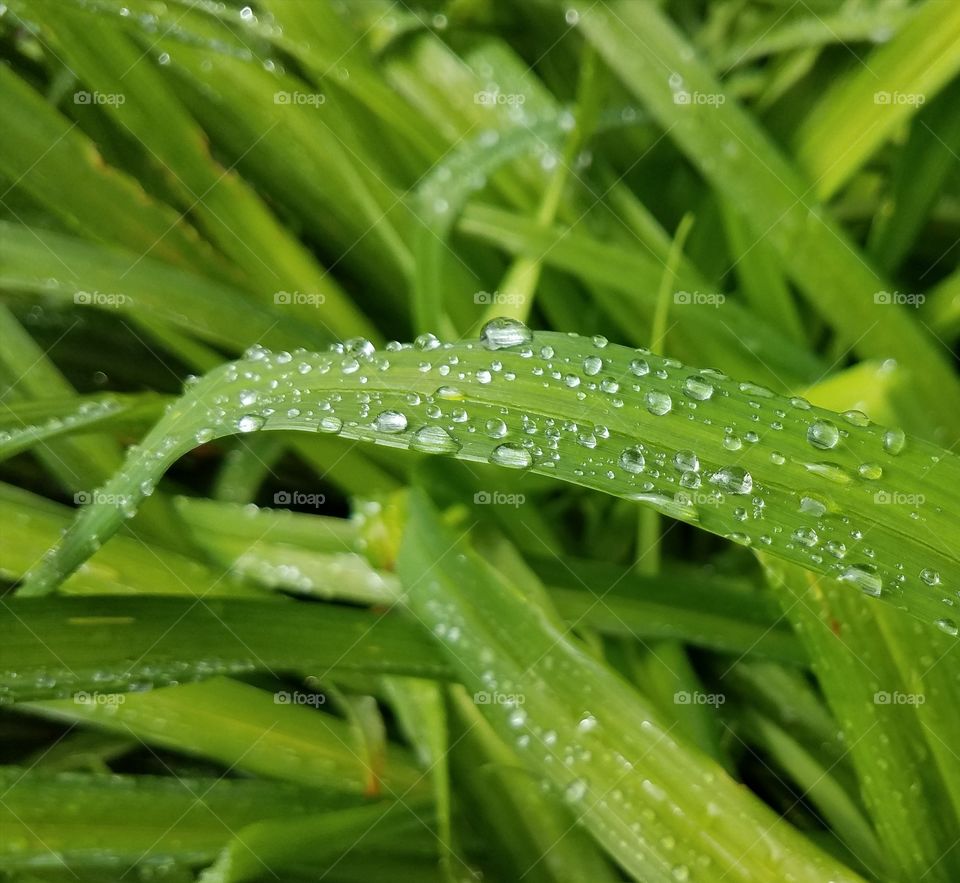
865, 107
806, 484
58, 647
740, 161
611, 766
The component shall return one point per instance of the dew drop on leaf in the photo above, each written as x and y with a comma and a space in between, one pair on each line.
658, 403
698, 387
434, 440
632, 460
733, 479
504, 332
823, 434
894, 441
511, 455
250, 423
391, 421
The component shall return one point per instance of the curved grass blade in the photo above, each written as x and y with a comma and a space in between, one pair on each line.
661, 810
801, 482
54, 648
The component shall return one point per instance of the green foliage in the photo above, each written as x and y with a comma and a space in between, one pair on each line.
638, 561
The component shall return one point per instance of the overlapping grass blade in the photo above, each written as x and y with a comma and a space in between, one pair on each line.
607, 764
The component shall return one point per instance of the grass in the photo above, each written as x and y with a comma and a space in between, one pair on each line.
635, 558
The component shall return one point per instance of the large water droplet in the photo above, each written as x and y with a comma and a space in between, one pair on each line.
864, 577
823, 434
686, 461
947, 625
632, 460
894, 441
250, 423
391, 421
511, 455
698, 387
733, 479
592, 365
639, 367
434, 440
330, 424
658, 403
504, 332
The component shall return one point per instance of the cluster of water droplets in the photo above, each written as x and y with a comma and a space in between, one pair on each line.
607, 418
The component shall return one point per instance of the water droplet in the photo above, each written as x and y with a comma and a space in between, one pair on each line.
813, 506
592, 365
733, 479
698, 387
948, 626
391, 421
250, 423
511, 455
575, 791
930, 577
823, 434
658, 403
587, 723
639, 367
856, 418
806, 536
864, 577
504, 332
632, 460
330, 424
870, 471
894, 441
203, 435
434, 440
686, 461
